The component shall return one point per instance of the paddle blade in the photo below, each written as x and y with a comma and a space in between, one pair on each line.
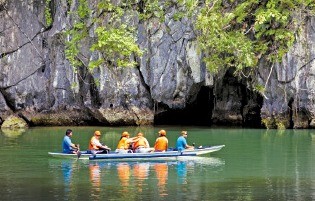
79, 154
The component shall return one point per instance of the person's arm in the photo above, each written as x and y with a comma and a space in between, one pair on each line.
188, 146
133, 139
99, 145
147, 143
155, 144
74, 146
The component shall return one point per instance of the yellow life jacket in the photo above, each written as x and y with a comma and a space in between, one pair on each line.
123, 143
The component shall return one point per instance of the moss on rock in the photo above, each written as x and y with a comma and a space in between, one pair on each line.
14, 122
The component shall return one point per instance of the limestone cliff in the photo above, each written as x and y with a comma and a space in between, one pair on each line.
170, 85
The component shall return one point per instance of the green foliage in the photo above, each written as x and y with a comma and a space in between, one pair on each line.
178, 16
75, 36
280, 125
117, 44
230, 33
48, 16
152, 8
268, 122
114, 41
239, 34
83, 9
259, 88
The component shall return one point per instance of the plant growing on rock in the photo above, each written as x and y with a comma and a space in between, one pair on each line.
114, 41
240, 33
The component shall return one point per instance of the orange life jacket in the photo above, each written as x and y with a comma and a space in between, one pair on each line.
141, 142
91, 145
161, 144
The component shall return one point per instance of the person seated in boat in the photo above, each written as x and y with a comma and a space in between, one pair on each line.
95, 146
181, 143
125, 143
67, 146
142, 144
161, 143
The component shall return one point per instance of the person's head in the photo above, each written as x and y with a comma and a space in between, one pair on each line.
162, 133
97, 133
140, 134
125, 134
184, 133
68, 132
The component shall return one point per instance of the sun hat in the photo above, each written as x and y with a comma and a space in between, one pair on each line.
162, 132
98, 133
125, 134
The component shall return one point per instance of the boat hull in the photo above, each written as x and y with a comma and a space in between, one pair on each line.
84, 155
168, 155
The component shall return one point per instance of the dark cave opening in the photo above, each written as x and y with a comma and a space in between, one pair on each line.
197, 113
290, 105
251, 109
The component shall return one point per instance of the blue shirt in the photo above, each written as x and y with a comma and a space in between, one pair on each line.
66, 145
181, 143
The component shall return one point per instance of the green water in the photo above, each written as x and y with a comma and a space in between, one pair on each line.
254, 165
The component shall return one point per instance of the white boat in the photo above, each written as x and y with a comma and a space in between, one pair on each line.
113, 156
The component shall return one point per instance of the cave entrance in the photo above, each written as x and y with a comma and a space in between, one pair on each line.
197, 113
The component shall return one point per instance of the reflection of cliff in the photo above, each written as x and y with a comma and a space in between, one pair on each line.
161, 170
12, 133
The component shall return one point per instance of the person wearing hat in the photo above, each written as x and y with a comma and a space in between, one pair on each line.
125, 142
161, 143
142, 144
181, 143
95, 146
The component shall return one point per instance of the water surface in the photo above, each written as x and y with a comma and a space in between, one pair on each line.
255, 164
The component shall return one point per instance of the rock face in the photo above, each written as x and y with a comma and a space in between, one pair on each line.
13, 122
170, 85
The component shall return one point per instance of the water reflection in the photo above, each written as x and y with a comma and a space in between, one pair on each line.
134, 177
181, 172
123, 170
12, 133
95, 179
11, 136
131, 179
161, 171
66, 172
68, 169
140, 173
